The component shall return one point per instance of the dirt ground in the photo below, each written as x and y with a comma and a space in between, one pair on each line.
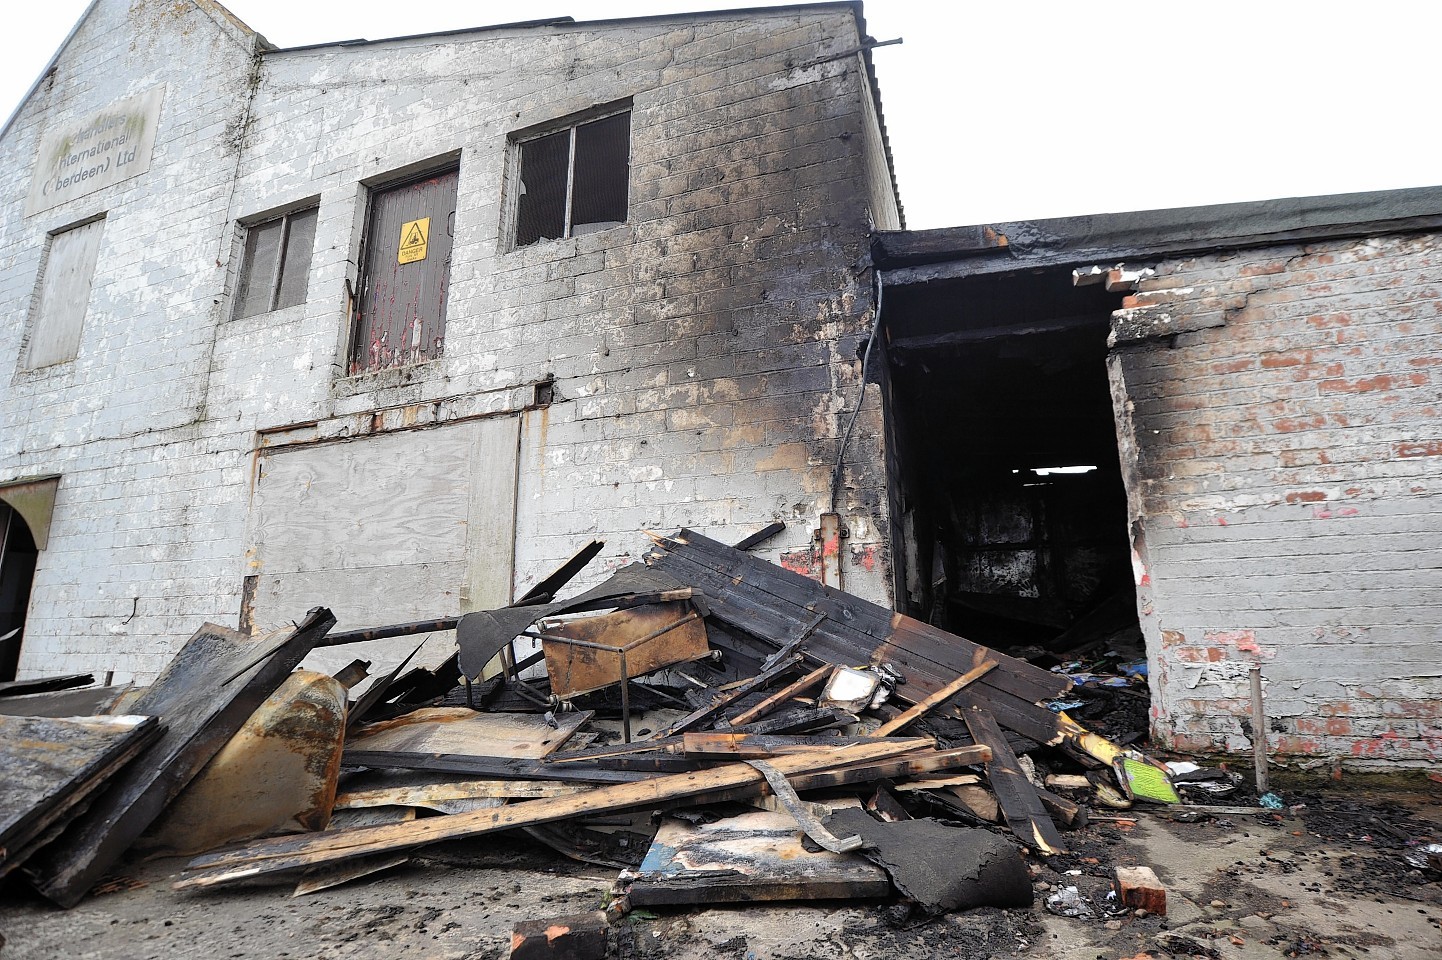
1327, 880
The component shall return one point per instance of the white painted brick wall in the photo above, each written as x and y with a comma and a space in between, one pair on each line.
703, 354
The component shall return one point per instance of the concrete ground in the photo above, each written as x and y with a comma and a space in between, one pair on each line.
1328, 880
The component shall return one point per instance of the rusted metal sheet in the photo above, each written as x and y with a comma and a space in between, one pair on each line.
202, 711
754, 856
597, 652
402, 316
276, 775
50, 765
34, 500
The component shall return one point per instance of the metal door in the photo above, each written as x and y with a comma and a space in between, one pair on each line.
407, 268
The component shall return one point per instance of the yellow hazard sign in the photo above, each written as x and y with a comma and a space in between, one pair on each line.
414, 236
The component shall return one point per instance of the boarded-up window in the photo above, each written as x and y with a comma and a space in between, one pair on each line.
276, 270
64, 295
407, 269
574, 181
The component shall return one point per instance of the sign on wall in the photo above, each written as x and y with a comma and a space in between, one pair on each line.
104, 148
414, 237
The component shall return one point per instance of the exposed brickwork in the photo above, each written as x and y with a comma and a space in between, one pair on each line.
1284, 498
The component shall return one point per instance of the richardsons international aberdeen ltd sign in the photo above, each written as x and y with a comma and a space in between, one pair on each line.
106, 147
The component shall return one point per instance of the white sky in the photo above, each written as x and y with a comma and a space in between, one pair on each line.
1009, 110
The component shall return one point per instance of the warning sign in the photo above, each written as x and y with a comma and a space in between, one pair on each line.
414, 236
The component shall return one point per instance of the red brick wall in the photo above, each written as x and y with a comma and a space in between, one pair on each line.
1278, 410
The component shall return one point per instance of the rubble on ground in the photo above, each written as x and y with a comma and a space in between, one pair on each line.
711, 726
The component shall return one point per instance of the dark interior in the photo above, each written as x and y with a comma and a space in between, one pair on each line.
990, 380
17, 570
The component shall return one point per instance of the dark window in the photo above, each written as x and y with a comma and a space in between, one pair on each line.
406, 269
276, 268
574, 181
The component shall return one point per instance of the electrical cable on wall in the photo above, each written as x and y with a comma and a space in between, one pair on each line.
851, 424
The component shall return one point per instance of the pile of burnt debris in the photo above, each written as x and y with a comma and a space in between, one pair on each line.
713, 726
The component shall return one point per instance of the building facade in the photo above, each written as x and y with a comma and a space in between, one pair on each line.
396, 327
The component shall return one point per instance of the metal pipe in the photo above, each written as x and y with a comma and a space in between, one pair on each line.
1259, 731
385, 633
625, 699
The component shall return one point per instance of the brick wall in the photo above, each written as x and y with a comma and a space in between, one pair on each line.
1281, 408
143, 546
703, 355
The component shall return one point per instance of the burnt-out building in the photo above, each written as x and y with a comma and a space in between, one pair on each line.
1217, 426
396, 326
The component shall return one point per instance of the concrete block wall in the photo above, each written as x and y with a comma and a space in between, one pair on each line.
702, 355
142, 546
1285, 500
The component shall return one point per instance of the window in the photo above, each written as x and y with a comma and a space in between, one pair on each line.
574, 181
276, 268
64, 295
405, 274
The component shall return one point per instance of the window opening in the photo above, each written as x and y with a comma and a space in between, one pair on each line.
64, 295
406, 269
275, 272
574, 181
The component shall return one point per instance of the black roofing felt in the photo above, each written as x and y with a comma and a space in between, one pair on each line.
1145, 233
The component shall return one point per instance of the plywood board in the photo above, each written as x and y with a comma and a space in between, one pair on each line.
461, 730
401, 526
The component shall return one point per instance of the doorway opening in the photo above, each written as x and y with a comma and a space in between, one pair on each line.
1006, 482
18, 556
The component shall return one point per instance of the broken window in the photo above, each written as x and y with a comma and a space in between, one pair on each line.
575, 180
276, 270
406, 269
64, 295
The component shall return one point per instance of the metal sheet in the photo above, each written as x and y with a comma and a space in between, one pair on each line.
754, 856
575, 669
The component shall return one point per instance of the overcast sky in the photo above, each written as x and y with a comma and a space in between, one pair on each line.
1006, 110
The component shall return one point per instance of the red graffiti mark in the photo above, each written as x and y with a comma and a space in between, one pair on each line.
1221, 521
1244, 640
1428, 448
1322, 513
865, 558
1384, 743
802, 562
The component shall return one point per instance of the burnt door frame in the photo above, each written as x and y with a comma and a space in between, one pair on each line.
357, 359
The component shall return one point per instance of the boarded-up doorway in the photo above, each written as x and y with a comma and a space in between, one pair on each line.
407, 268
392, 528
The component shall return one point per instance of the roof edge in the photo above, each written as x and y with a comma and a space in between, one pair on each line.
1114, 236
46, 70
569, 22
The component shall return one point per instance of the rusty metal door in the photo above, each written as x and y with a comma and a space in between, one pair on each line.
407, 268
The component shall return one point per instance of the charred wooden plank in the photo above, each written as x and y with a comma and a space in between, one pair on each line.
1019, 802
291, 853
48, 766
202, 711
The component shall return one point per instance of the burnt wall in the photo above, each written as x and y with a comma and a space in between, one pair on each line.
1278, 417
